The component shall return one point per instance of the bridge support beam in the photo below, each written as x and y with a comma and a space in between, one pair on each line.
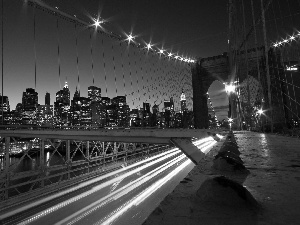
190, 150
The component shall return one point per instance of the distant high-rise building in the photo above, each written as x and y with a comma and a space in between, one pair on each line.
30, 99
119, 100
94, 94
146, 107
47, 98
183, 102
62, 106
5, 105
105, 100
63, 96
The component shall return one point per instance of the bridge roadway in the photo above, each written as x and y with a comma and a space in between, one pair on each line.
126, 196
144, 135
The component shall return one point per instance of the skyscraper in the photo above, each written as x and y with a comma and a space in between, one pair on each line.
47, 98
146, 107
5, 105
62, 105
94, 94
29, 99
183, 102
63, 96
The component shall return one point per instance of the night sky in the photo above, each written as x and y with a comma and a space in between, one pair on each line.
189, 30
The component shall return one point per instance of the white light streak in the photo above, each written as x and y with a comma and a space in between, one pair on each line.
119, 193
81, 185
143, 195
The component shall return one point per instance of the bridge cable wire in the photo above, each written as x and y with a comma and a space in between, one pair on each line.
77, 55
2, 59
129, 66
284, 55
122, 66
34, 44
298, 56
58, 52
114, 65
92, 58
104, 66
276, 68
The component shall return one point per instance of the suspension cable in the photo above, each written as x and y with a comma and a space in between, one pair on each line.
104, 68
92, 59
77, 57
58, 52
34, 45
114, 65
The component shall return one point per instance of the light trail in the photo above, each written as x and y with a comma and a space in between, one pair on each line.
141, 197
81, 185
120, 192
78, 197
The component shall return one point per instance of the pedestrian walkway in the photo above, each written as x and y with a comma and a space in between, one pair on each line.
274, 181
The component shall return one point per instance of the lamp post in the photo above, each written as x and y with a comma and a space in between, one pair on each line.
260, 112
230, 121
230, 90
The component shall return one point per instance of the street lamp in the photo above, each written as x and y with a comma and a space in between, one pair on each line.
230, 89
230, 121
260, 112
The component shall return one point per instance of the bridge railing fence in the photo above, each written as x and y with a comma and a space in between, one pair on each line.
31, 166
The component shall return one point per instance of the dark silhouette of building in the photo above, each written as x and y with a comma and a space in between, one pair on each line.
94, 94
5, 104
30, 100
47, 98
62, 106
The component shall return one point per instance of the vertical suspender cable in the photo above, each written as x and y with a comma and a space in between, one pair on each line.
123, 73
58, 52
297, 113
278, 73
136, 75
34, 46
255, 43
2, 28
114, 64
103, 57
246, 58
267, 62
77, 58
130, 73
92, 60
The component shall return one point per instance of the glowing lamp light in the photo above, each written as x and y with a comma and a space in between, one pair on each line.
149, 46
260, 111
230, 120
161, 51
170, 54
292, 38
230, 88
176, 57
129, 38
